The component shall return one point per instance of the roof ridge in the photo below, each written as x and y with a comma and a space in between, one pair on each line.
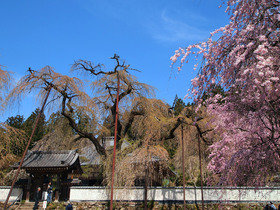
53, 151
74, 156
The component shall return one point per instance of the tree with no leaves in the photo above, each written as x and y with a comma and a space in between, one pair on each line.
5, 78
68, 94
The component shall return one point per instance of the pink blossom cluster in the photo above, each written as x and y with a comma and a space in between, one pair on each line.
245, 62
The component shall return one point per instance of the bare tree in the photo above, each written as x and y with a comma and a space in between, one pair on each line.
70, 96
5, 78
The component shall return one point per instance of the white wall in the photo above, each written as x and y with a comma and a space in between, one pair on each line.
4, 191
211, 194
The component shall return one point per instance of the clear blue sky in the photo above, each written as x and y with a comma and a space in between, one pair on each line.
145, 33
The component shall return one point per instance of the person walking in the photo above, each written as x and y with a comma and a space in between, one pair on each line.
49, 192
36, 198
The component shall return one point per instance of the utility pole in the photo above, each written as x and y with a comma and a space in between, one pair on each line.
26, 148
183, 165
115, 144
200, 167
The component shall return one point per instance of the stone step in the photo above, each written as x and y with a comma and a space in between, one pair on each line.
30, 205
13, 207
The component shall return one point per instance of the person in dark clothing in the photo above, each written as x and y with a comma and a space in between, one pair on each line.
49, 191
266, 207
36, 198
272, 206
69, 206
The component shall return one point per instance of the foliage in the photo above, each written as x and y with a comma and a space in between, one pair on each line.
5, 161
25, 127
61, 136
133, 163
215, 90
29, 123
13, 140
179, 106
191, 131
147, 119
90, 171
16, 122
56, 205
12, 144
58, 124
243, 59
82, 113
152, 126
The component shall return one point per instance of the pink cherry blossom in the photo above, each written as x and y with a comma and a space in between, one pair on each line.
244, 61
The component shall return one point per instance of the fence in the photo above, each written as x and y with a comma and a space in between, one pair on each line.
211, 194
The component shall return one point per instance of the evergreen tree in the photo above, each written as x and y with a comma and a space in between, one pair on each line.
179, 106
16, 122
57, 122
15, 136
28, 125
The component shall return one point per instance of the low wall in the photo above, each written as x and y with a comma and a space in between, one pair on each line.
16, 193
210, 194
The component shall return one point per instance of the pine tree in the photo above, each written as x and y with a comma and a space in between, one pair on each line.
179, 106
29, 123
16, 122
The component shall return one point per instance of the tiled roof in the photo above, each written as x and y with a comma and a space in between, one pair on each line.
44, 159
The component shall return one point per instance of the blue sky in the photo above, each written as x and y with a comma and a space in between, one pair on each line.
145, 33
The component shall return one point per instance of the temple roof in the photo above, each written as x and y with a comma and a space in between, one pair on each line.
50, 159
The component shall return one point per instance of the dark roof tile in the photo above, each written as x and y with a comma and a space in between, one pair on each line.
43, 159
